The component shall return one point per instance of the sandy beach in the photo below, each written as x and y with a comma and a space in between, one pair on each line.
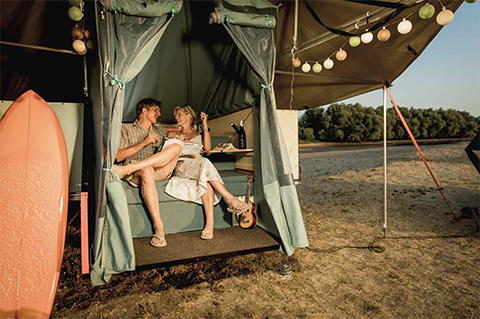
426, 268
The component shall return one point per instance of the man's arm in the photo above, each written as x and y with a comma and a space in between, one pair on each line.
126, 152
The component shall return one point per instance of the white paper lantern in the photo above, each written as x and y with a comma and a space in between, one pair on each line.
306, 67
328, 64
383, 35
317, 67
367, 37
445, 16
405, 26
78, 46
341, 55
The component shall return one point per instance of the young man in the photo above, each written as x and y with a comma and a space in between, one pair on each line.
142, 165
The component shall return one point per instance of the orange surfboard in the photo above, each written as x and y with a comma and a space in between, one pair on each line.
33, 207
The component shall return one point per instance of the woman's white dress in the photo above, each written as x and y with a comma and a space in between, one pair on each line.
190, 177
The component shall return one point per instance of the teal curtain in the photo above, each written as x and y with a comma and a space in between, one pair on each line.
275, 192
125, 45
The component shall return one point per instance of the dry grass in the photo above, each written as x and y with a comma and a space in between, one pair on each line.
429, 269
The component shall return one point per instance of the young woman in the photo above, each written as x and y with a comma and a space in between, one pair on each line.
195, 178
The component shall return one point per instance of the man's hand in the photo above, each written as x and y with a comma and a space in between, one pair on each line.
124, 153
151, 138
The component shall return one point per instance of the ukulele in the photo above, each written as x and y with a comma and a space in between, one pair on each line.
248, 219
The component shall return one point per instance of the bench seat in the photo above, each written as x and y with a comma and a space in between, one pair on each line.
179, 216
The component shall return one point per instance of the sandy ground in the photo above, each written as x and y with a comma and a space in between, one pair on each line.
428, 267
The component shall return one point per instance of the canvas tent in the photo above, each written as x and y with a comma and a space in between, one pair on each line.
128, 36
159, 47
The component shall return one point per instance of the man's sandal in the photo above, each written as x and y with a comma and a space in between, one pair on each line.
161, 240
206, 234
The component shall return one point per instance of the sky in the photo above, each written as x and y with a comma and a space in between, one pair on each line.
447, 73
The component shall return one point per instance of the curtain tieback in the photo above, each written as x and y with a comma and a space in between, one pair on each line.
114, 173
121, 84
227, 17
265, 87
114, 6
268, 22
174, 8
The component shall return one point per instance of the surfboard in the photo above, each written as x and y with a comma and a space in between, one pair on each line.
33, 207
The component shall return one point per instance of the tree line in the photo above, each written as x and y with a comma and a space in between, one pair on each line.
355, 123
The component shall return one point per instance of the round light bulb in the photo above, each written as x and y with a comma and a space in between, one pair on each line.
75, 14
90, 45
427, 11
88, 34
83, 52
367, 37
405, 26
383, 35
296, 62
77, 33
328, 64
354, 41
78, 45
444, 17
317, 67
341, 55
306, 67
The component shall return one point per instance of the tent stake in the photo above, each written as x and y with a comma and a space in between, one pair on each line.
384, 163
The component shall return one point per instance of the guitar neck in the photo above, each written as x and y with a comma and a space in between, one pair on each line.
247, 195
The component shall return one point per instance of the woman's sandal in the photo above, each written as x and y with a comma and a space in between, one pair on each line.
206, 234
239, 211
161, 240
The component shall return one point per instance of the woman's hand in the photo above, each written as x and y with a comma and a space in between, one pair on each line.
204, 118
207, 142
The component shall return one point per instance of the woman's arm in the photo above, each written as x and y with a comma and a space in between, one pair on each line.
207, 140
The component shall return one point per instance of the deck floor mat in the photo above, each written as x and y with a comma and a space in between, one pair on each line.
188, 247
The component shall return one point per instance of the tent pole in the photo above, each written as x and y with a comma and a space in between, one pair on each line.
37, 47
384, 163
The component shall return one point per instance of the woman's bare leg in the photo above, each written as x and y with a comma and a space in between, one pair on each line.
207, 200
231, 200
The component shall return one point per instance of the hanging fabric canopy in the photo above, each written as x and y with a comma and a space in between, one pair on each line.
127, 43
277, 195
367, 65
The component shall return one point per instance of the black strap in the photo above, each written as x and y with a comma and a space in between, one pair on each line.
384, 4
399, 8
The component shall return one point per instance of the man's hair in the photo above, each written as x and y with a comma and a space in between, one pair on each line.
147, 104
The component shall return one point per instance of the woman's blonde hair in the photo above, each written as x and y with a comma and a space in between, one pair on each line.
187, 109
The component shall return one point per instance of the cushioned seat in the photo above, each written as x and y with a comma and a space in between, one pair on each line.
179, 216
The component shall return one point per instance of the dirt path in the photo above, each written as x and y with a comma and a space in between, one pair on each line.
325, 161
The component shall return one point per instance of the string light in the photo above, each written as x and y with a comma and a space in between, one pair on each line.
405, 26
445, 16
367, 37
296, 62
341, 55
354, 41
78, 46
383, 35
306, 67
317, 67
427, 11
328, 64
